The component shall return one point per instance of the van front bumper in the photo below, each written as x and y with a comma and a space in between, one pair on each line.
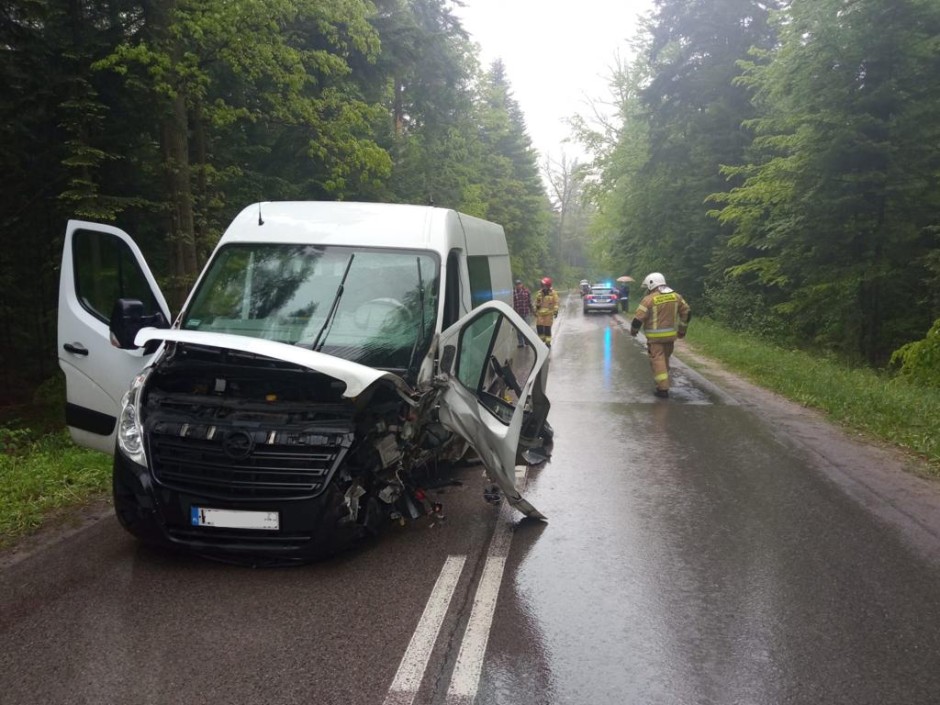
307, 527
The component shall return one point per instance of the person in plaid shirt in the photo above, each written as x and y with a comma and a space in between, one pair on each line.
522, 303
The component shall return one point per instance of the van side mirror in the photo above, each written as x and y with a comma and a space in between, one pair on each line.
127, 318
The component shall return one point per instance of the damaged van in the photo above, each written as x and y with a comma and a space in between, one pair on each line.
330, 358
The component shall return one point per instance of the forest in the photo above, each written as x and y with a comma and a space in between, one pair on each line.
778, 160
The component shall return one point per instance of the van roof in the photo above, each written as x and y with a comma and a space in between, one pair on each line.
361, 224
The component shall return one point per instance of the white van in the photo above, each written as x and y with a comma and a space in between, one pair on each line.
328, 356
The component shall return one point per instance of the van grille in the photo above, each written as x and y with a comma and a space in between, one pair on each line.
273, 465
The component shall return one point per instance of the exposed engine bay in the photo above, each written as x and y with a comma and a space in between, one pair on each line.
235, 427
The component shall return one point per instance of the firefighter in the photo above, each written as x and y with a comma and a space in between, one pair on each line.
664, 316
546, 310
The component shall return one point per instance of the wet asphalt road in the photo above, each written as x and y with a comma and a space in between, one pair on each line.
689, 557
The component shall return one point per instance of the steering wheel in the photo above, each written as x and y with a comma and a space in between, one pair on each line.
378, 310
505, 373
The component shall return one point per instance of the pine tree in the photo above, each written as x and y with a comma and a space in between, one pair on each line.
511, 188
695, 111
269, 74
838, 209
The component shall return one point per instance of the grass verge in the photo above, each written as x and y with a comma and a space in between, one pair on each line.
41, 474
884, 407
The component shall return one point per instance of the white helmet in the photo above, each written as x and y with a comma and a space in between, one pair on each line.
654, 280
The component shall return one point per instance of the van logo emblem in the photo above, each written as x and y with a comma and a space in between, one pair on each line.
238, 444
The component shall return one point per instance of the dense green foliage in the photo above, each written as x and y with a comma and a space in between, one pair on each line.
780, 163
778, 159
840, 194
511, 191
167, 117
919, 360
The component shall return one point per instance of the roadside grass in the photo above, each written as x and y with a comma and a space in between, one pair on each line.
43, 472
884, 407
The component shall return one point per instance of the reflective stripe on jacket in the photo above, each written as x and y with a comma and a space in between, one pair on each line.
663, 315
546, 306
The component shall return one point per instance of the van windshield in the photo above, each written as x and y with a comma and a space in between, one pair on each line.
384, 318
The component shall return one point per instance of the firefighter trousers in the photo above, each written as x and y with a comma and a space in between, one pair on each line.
545, 334
659, 361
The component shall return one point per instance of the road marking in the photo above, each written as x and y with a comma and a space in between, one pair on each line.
465, 680
415, 661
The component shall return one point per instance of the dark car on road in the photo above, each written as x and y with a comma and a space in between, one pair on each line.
601, 298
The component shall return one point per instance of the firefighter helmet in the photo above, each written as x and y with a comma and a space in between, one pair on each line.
546, 281
654, 280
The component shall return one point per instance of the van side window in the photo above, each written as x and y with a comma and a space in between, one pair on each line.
481, 287
452, 295
105, 271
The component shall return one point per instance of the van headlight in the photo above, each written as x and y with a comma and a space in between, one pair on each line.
130, 432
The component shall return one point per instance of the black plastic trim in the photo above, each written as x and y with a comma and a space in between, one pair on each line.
89, 419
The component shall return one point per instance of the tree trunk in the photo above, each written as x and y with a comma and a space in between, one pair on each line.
180, 230
201, 197
398, 109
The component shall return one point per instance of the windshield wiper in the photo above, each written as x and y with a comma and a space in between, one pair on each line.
419, 341
317, 345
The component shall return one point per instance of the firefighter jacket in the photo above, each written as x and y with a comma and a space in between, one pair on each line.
546, 307
663, 314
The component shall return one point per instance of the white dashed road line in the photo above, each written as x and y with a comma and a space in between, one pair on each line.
466, 677
413, 664
465, 680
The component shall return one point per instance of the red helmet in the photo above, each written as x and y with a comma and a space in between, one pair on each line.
546, 281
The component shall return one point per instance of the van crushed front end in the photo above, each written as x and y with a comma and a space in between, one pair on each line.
233, 454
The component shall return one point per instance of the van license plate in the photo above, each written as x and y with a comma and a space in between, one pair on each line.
234, 519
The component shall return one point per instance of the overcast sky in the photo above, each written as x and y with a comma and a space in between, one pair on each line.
557, 53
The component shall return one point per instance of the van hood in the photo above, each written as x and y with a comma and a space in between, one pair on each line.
356, 377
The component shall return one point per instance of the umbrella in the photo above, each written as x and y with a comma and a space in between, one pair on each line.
625, 279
